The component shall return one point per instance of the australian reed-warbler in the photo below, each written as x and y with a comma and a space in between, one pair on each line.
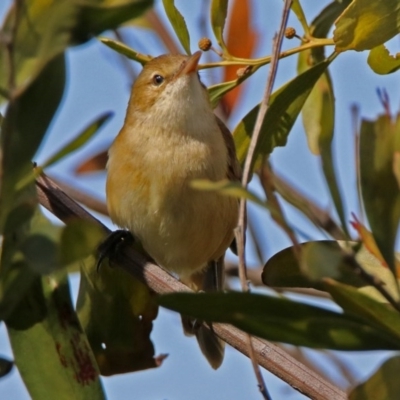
170, 137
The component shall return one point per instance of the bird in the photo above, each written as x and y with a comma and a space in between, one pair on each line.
169, 138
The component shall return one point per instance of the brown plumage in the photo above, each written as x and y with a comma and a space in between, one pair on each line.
170, 137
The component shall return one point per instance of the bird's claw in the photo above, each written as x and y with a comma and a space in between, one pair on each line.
112, 244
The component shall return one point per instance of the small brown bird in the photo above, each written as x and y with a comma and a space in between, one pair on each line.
170, 137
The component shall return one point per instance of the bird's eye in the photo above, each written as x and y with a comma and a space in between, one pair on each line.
158, 80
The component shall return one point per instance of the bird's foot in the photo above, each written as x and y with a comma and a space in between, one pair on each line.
112, 244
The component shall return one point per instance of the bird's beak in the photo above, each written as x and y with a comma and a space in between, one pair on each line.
191, 64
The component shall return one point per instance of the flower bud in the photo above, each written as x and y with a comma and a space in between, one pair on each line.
290, 33
205, 44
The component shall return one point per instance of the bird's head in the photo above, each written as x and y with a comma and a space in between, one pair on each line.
169, 88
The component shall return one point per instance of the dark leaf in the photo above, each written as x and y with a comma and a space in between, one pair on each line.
43, 32
5, 367
25, 124
321, 259
96, 16
27, 251
319, 109
379, 188
282, 320
116, 312
79, 239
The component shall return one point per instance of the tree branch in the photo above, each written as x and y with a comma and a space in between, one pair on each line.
268, 355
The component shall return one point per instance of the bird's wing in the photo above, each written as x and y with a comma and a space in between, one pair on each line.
234, 172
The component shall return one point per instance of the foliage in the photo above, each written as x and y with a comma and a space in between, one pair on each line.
110, 331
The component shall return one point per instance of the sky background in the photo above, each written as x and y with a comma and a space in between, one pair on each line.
99, 82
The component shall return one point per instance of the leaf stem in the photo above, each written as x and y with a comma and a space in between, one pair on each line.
231, 60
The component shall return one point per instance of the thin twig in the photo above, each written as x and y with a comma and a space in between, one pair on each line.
268, 355
355, 119
319, 217
259, 62
257, 246
278, 215
241, 228
254, 276
245, 288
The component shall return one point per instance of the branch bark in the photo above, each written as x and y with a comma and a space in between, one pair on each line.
268, 355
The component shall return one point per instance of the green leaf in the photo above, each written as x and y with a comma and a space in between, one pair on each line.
319, 109
227, 188
125, 50
117, 313
15, 281
46, 28
330, 177
281, 320
43, 32
323, 22
216, 92
318, 119
381, 62
371, 311
80, 140
21, 138
219, 10
366, 24
380, 192
285, 105
79, 239
51, 351
97, 16
321, 259
70, 147
298, 11
178, 23
28, 250
383, 384
40, 246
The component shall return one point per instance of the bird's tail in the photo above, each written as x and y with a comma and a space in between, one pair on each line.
209, 280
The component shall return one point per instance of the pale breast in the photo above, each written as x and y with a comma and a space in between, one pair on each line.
148, 193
